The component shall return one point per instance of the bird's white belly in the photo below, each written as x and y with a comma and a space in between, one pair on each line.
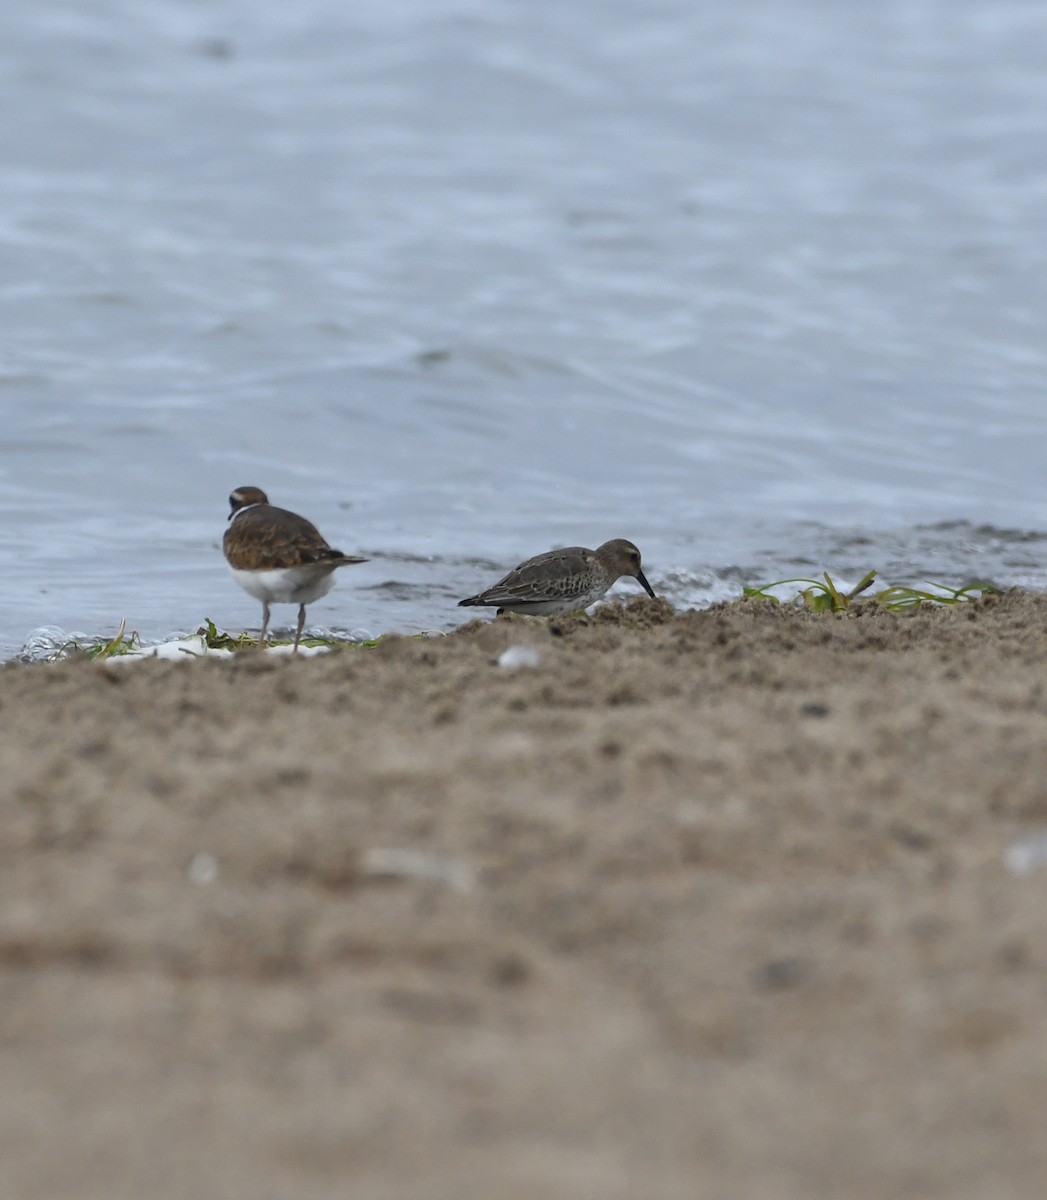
286, 585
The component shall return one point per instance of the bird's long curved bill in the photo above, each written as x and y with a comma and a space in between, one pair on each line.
642, 579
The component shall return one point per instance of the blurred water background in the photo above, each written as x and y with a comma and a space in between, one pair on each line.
760, 286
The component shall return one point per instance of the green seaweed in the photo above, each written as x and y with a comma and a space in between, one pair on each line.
219, 639
121, 643
823, 595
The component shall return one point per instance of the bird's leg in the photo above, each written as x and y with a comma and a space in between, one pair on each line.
301, 626
265, 624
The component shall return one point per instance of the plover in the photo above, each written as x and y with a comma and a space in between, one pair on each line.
277, 556
562, 581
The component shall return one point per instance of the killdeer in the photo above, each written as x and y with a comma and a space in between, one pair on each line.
562, 581
277, 556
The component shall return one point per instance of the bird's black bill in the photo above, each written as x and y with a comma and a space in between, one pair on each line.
642, 580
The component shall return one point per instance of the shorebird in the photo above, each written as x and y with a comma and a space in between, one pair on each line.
562, 581
277, 556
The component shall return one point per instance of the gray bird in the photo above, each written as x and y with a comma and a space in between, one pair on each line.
562, 581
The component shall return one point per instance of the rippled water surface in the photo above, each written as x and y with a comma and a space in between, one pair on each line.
759, 286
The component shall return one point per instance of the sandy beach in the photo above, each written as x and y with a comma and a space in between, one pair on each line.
709, 904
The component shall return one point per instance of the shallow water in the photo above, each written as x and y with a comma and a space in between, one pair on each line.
760, 287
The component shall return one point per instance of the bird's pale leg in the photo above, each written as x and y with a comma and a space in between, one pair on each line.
265, 624
301, 626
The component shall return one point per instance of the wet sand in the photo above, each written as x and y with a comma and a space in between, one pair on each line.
710, 904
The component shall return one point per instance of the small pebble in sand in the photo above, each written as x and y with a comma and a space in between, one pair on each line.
202, 869
1026, 854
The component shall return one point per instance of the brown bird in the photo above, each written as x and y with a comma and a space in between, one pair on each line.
562, 581
277, 556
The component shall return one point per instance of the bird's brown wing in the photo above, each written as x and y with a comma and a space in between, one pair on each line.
265, 537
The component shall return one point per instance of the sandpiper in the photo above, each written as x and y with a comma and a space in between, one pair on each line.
562, 581
277, 556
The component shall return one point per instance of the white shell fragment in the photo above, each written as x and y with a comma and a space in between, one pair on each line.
195, 646
396, 863
519, 656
